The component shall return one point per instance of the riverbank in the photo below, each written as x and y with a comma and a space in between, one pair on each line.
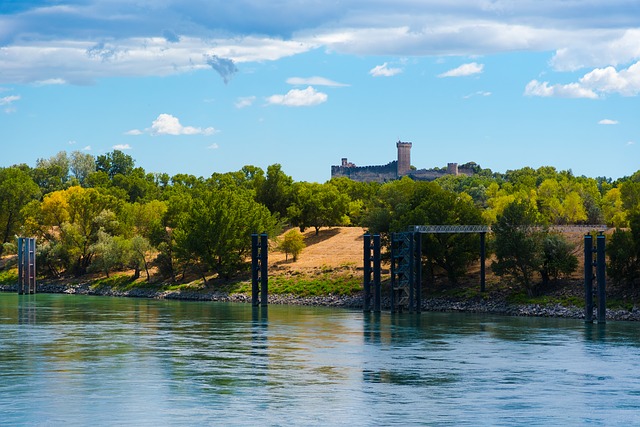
488, 305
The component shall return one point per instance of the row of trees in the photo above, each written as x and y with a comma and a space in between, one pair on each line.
103, 213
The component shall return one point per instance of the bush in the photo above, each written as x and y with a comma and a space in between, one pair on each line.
293, 243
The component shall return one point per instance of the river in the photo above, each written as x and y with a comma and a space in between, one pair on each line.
79, 360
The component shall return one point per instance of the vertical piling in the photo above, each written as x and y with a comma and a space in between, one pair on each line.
411, 262
377, 288
26, 265
392, 296
483, 255
366, 306
264, 269
418, 268
255, 271
588, 278
601, 278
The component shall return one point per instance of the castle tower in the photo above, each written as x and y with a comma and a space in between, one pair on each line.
404, 158
452, 169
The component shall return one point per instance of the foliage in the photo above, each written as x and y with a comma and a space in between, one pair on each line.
558, 258
518, 245
216, 232
318, 205
292, 243
17, 189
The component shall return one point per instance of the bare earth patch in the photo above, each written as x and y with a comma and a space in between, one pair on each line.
332, 247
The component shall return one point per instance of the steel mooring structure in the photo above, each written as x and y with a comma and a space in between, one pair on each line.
600, 267
259, 270
372, 268
26, 265
406, 271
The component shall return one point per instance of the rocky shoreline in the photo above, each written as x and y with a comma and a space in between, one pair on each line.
438, 304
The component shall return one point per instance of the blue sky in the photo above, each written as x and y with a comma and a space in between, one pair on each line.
204, 86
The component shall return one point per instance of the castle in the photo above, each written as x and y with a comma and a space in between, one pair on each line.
398, 168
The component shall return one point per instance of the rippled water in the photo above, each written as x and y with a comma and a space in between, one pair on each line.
75, 360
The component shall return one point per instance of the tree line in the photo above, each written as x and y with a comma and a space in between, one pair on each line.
104, 214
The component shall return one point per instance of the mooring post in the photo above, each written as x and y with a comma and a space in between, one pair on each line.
412, 276
377, 288
418, 266
482, 261
20, 265
367, 273
393, 273
601, 278
264, 269
588, 278
255, 271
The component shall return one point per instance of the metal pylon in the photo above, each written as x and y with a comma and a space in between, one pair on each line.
405, 271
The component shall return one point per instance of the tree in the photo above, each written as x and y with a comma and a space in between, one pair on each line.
558, 258
115, 163
52, 174
318, 205
82, 165
431, 205
275, 192
69, 220
518, 245
216, 231
292, 243
624, 265
16, 190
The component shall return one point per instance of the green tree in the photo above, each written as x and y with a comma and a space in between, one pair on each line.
431, 205
275, 192
216, 231
292, 243
115, 163
318, 205
518, 245
82, 165
624, 261
558, 258
16, 190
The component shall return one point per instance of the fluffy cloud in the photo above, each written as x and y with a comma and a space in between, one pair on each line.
225, 67
608, 122
299, 98
384, 71
464, 70
49, 40
121, 147
596, 83
8, 100
166, 124
315, 81
572, 90
245, 101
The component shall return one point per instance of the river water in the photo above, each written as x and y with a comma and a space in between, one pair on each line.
81, 360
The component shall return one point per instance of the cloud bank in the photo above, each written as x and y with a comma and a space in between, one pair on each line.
166, 124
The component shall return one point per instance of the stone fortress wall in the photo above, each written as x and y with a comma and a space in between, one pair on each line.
397, 169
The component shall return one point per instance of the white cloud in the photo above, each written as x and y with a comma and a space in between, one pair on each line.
121, 147
479, 93
608, 122
50, 82
299, 98
166, 124
8, 100
245, 101
384, 71
134, 132
594, 84
631, 143
87, 148
464, 70
315, 81
213, 146
572, 90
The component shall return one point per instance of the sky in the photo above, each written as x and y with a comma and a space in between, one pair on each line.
206, 86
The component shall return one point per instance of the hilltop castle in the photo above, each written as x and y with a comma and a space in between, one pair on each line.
398, 168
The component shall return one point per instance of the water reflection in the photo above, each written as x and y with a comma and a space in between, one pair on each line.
89, 360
